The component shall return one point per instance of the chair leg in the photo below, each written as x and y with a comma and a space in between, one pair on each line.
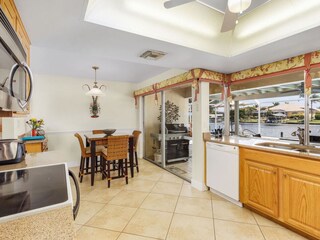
103, 168
119, 167
137, 164
81, 172
109, 175
126, 170
80, 167
87, 165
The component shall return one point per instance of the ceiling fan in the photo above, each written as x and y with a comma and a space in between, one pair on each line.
233, 10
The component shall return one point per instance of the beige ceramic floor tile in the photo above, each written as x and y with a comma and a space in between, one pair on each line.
160, 202
262, 221
140, 185
167, 188
168, 177
77, 227
149, 175
217, 197
101, 195
87, 210
194, 206
189, 191
86, 233
149, 223
271, 233
226, 230
190, 228
125, 236
129, 198
228, 211
112, 217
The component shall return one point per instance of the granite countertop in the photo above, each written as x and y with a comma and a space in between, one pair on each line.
251, 143
37, 159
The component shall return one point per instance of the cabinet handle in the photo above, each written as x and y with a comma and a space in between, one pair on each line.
285, 175
274, 172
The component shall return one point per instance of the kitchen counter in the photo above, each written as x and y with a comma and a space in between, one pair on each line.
46, 216
246, 142
37, 159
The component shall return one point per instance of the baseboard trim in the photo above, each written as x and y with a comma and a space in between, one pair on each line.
199, 185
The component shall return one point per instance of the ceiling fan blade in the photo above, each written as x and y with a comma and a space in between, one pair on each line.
175, 3
229, 20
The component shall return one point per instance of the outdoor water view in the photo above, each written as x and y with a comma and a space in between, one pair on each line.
279, 117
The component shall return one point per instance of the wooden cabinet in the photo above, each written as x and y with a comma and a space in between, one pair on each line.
10, 11
261, 182
286, 188
36, 146
23, 36
301, 201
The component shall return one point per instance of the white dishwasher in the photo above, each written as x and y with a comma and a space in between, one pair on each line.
223, 170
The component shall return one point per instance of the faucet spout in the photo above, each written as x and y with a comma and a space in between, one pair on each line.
300, 133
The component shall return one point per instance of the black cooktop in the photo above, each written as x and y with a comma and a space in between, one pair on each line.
32, 188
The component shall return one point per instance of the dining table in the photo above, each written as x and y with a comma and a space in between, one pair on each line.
92, 139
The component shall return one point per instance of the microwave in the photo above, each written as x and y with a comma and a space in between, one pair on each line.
15, 74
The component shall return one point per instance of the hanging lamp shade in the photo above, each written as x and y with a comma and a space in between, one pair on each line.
238, 6
95, 91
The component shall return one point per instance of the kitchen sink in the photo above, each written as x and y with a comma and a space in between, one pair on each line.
278, 145
292, 147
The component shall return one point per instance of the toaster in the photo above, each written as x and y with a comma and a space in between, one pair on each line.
11, 151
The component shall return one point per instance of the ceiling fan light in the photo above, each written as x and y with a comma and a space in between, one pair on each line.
238, 6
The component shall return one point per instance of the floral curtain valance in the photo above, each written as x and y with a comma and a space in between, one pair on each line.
292, 64
184, 78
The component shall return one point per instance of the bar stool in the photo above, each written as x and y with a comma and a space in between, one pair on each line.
136, 135
117, 151
86, 155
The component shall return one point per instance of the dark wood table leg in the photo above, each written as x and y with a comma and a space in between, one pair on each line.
93, 161
131, 156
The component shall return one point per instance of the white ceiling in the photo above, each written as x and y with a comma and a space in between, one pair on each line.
64, 44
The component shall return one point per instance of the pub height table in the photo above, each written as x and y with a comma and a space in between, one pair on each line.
91, 140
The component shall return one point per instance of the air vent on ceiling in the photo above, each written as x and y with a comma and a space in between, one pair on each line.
152, 55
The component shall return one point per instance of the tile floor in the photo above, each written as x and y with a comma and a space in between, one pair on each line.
158, 205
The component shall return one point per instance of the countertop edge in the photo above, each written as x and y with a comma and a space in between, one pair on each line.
265, 149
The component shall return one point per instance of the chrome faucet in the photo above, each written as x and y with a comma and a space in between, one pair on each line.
300, 133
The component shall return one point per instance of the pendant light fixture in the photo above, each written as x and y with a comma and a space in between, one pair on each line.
238, 6
95, 92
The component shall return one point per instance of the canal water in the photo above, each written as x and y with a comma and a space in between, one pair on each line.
275, 131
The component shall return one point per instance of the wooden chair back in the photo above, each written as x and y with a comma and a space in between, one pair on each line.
82, 147
136, 135
117, 147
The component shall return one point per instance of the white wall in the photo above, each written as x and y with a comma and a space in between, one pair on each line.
63, 105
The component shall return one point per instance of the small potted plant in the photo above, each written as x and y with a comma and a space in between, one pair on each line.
35, 124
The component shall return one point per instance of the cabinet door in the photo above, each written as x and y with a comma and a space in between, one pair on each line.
261, 187
9, 10
301, 201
